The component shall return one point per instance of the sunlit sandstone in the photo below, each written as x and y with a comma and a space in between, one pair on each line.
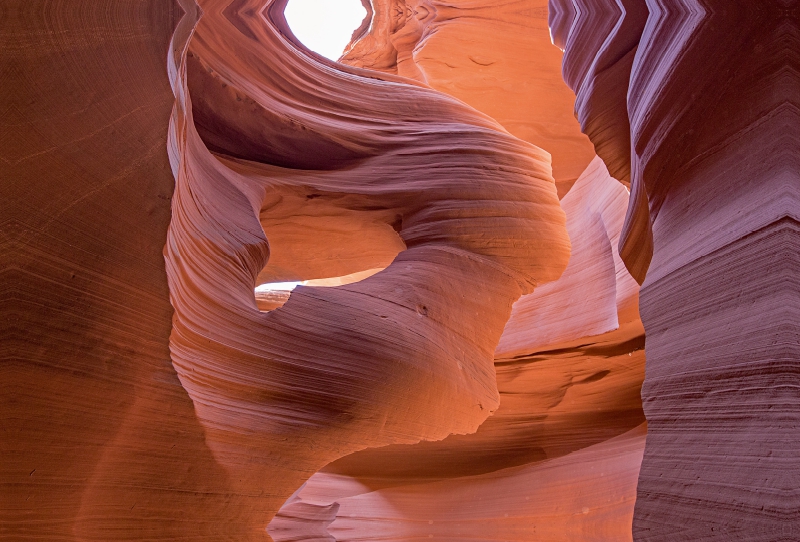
465, 356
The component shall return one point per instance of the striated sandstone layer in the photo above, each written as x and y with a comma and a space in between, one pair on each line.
262, 136
97, 437
414, 194
587, 496
569, 364
713, 108
495, 56
109, 435
569, 381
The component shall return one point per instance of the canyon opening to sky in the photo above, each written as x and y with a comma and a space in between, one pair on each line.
325, 26
546, 257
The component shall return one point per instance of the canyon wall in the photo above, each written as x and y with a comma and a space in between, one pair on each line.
570, 361
96, 431
465, 358
279, 157
377, 164
711, 97
560, 456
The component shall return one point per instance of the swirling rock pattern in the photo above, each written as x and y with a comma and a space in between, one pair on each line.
569, 386
100, 439
261, 133
587, 495
416, 186
495, 56
712, 102
600, 39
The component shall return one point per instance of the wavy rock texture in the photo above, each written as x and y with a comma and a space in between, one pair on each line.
417, 195
569, 382
98, 438
108, 437
495, 56
713, 101
261, 136
587, 495
599, 39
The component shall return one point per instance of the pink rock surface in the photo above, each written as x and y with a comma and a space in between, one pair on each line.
712, 103
399, 357
585, 495
462, 340
565, 388
600, 39
494, 56
595, 294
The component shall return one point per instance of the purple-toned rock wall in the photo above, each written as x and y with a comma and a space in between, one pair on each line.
713, 102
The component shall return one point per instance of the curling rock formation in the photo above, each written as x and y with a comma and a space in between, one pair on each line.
495, 56
713, 108
552, 461
261, 133
339, 169
106, 434
587, 495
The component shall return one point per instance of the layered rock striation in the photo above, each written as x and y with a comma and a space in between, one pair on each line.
586, 495
569, 364
95, 430
495, 56
712, 107
263, 136
464, 358
569, 386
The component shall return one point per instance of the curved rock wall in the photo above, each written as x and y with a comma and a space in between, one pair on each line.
495, 56
712, 102
95, 430
261, 133
124, 420
569, 371
569, 364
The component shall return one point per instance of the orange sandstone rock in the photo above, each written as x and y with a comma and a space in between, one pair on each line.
262, 132
566, 389
125, 420
495, 56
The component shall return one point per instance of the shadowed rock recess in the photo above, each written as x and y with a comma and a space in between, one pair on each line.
478, 201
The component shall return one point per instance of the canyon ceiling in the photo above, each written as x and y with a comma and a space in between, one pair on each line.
549, 254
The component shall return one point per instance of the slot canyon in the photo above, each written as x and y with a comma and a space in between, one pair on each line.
506, 270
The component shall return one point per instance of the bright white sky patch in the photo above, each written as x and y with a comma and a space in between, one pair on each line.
325, 26
284, 286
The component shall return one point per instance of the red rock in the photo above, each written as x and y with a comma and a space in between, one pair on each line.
564, 390
494, 56
465, 357
585, 495
399, 357
712, 102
